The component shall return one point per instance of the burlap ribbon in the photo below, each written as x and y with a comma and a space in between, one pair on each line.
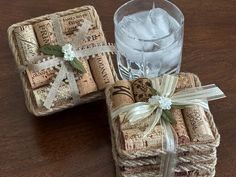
166, 99
65, 69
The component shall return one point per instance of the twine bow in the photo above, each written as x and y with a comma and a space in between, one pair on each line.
156, 107
64, 64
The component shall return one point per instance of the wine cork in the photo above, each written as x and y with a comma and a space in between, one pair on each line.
124, 124
198, 126
93, 37
85, 81
134, 139
101, 71
45, 33
194, 116
185, 80
180, 127
27, 42
142, 89
63, 95
71, 22
40, 78
131, 135
121, 93
99, 64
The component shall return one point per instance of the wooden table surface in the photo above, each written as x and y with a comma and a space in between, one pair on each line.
76, 142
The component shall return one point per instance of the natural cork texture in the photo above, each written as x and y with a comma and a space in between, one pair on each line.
142, 89
71, 22
94, 36
134, 140
198, 127
124, 124
85, 81
121, 93
45, 32
132, 134
128, 132
186, 80
40, 78
101, 71
63, 95
194, 116
45, 35
29, 50
180, 127
99, 64
27, 42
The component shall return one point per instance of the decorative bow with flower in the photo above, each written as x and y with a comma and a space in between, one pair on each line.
66, 56
157, 109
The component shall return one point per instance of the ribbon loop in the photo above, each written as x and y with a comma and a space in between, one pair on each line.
168, 85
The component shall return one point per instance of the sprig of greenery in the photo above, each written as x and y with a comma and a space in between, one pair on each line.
78, 65
56, 50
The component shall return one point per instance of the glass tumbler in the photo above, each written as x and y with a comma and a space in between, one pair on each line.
149, 38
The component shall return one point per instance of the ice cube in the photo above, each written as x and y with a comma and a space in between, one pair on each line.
146, 25
160, 21
138, 27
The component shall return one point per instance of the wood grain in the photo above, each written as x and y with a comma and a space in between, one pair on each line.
76, 142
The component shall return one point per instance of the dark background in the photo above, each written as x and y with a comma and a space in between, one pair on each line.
76, 142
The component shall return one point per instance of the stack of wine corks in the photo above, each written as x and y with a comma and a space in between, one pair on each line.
136, 155
31, 36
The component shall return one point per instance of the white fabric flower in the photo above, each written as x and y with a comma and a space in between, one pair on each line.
69, 54
165, 103
161, 101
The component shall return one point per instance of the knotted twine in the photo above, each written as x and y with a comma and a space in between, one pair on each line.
164, 100
65, 69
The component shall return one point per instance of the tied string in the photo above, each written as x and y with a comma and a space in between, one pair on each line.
155, 108
65, 69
